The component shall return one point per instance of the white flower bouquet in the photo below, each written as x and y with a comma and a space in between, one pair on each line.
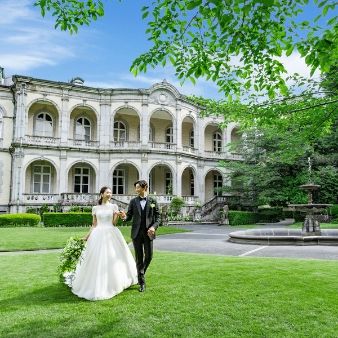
70, 256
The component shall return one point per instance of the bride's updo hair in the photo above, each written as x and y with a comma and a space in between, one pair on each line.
102, 190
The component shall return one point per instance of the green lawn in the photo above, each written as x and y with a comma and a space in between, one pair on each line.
26, 238
188, 295
299, 225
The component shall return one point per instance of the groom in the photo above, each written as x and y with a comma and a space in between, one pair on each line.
143, 210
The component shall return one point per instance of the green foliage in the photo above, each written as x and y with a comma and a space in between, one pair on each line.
70, 256
242, 217
270, 215
333, 211
176, 205
237, 44
71, 219
80, 209
19, 220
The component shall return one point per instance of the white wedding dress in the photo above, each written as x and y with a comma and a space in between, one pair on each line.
106, 266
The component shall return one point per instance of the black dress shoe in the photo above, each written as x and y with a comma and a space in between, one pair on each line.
142, 288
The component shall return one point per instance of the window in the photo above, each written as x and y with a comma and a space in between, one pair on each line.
81, 180
169, 136
192, 184
43, 125
118, 182
41, 179
191, 138
217, 141
119, 131
218, 184
168, 183
82, 129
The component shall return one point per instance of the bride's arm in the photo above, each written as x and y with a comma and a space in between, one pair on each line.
91, 228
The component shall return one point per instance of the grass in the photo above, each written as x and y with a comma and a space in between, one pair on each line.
299, 225
188, 295
29, 238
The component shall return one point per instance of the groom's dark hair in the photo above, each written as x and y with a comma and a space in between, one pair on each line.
142, 183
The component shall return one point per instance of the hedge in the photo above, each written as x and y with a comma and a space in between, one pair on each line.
67, 219
270, 215
333, 211
242, 217
19, 220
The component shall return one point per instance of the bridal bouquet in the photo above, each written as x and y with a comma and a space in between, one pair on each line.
70, 255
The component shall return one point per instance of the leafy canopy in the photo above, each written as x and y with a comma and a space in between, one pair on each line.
235, 43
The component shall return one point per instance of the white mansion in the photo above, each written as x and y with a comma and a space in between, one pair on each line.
60, 142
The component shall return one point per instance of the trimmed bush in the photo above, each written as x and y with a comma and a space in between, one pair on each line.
333, 211
271, 214
242, 217
67, 219
296, 215
19, 220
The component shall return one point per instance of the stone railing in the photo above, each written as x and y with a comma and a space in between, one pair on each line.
41, 140
190, 150
79, 199
84, 143
40, 198
165, 146
126, 144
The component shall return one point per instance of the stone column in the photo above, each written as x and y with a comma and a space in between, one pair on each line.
17, 179
20, 114
65, 120
200, 182
63, 173
104, 178
144, 126
178, 176
200, 145
178, 136
105, 129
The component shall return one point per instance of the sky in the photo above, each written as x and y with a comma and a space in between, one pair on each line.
101, 54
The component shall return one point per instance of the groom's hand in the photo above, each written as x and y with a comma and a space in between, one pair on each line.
151, 231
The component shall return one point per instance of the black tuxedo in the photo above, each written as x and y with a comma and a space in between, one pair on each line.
142, 220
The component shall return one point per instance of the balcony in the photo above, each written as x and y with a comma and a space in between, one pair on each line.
215, 154
41, 140
40, 198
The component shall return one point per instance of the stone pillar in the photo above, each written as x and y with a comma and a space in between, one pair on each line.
200, 181
105, 129
200, 137
104, 178
144, 126
63, 173
20, 114
178, 139
17, 180
64, 120
178, 176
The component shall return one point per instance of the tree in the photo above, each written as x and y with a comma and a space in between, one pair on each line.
235, 43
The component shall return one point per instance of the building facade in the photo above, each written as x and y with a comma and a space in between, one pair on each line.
60, 142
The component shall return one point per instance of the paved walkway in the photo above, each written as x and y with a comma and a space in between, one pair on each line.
212, 239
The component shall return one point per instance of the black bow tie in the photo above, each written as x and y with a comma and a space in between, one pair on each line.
143, 198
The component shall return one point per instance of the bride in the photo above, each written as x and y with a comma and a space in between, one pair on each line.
106, 266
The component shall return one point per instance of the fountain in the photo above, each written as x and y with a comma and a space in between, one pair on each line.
310, 234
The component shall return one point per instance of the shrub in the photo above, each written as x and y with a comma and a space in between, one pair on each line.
176, 205
333, 211
297, 215
67, 219
19, 220
270, 215
242, 217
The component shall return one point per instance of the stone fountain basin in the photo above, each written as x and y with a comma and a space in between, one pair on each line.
282, 236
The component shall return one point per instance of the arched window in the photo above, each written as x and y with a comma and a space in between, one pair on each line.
119, 179
120, 133
192, 138
169, 135
42, 179
43, 125
218, 184
82, 129
217, 141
